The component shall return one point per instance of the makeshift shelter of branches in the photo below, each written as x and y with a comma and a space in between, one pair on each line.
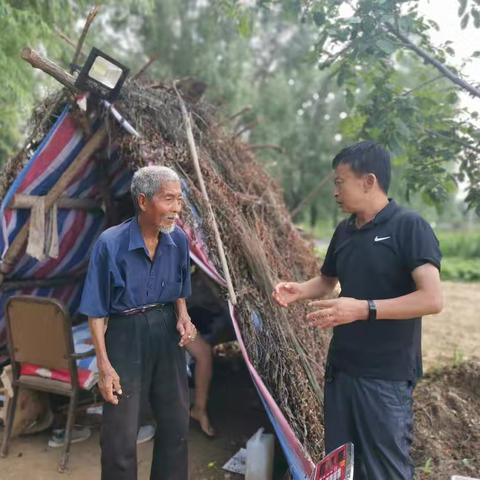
261, 242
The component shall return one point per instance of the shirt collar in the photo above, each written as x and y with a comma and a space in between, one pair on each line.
386, 212
381, 217
136, 238
166, 239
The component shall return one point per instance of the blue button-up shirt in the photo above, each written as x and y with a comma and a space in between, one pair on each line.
121, 274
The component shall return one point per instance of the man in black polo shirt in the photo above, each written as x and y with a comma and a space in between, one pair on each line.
387, 260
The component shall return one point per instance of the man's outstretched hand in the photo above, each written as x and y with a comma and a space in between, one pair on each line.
286, 293
337, 311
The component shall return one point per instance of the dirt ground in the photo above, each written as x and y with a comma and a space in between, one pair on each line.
448, 339
453, 335
236, 413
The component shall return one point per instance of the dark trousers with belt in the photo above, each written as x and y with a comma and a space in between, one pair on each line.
376, 416
143, 349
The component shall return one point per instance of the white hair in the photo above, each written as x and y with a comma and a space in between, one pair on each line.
149, 181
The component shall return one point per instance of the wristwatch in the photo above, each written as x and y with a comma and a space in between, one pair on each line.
372, 311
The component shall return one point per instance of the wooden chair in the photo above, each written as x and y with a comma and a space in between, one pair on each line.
40, 332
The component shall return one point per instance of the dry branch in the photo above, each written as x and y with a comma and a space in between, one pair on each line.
211, 214
247, 127
70, 42
246, 109
38, 61
151, 60
446, 72
309, 198
259, 146
27, 201
90, 17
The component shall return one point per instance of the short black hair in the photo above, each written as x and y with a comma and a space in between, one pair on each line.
367, 157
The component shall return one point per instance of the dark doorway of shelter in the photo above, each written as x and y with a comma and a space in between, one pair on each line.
236, 412
234, 407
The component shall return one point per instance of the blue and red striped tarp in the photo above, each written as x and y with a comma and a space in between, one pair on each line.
77, 231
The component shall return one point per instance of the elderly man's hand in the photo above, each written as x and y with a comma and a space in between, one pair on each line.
186, 329
109, 383
337, 311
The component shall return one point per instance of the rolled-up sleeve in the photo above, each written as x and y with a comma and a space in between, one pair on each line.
186, 282
95, 300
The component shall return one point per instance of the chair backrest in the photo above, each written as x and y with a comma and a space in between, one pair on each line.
39, 331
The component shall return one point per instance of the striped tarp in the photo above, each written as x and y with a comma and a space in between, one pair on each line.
77, 231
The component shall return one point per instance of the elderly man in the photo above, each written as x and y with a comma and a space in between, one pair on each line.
134, 296
387, 260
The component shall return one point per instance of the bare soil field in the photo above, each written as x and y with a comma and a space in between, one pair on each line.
447, 400
236, 413
453, 335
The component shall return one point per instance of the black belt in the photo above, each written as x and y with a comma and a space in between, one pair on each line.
143, 309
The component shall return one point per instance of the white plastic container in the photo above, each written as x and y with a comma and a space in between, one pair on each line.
459, 477
260, 456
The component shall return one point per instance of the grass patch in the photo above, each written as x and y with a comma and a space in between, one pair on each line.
461, 269
460, 244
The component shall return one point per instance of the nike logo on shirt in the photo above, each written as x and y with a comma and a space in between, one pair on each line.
379, 239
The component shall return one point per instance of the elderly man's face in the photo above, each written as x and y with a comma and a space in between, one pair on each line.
163, 208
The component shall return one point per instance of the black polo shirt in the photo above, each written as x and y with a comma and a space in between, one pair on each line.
375, 262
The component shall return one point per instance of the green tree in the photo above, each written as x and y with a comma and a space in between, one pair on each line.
36, 23
315, 80
373, 48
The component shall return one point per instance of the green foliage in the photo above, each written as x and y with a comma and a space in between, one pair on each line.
458, 358
392, 95
268, 72
22, 24
465, 244
469, 9
316, 79
404, 103
426, 469
461, 252
34, 23
461, 269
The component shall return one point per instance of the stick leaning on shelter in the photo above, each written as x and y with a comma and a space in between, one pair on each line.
211, 214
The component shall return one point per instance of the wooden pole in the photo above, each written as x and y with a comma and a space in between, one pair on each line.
27, 201
203, 188
38, 61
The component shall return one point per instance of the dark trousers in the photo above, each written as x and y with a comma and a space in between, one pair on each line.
376, 416
144, 351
